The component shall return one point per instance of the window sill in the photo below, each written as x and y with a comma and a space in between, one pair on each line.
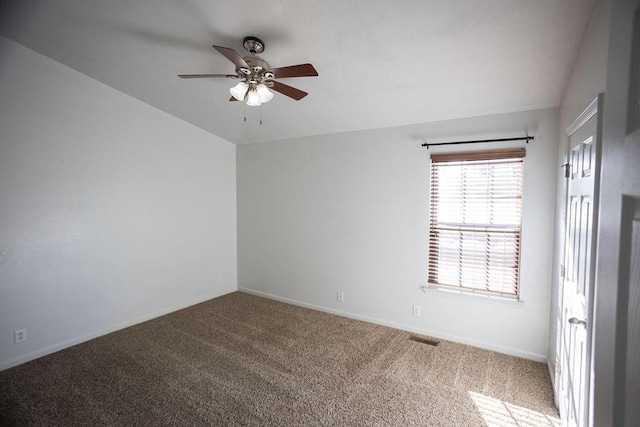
475, 296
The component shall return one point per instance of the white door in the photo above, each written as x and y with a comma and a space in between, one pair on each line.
616, 370
579, 272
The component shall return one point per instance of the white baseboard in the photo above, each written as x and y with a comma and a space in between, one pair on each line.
435, 334
74, 341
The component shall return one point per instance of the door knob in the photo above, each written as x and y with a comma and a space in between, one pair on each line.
576, 321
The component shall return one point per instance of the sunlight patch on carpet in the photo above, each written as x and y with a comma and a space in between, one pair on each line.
497, 413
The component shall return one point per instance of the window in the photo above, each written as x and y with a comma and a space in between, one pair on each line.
475, 221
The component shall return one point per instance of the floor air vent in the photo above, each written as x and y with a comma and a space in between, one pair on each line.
424, 340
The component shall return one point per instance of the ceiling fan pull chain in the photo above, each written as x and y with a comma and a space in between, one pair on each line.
245, 113
261, 115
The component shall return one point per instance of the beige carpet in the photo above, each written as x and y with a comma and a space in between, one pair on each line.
244, 360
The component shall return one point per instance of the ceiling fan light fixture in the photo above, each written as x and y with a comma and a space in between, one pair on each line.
264, 93
239, 91
253, 99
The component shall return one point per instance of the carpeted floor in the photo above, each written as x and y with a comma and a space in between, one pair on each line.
244, 360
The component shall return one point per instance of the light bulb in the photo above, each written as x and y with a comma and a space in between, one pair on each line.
239, 91
264, 93
253, 99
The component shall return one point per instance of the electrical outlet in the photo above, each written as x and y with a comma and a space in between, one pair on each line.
340, 297
220, 280
416, 310
19, 335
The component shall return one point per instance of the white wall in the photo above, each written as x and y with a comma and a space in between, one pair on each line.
586, 81
111, 211
349, 212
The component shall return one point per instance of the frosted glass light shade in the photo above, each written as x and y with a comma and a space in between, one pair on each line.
253, 99
264, 93
239, 91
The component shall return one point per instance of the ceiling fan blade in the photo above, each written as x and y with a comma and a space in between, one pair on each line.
232, 56
205, 76
291, 92
302, 70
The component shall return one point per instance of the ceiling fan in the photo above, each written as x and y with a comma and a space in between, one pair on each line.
256, 75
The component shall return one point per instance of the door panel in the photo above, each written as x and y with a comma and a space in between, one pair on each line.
577, 287
631, 245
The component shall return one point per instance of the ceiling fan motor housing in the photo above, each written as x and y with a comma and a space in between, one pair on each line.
259, 70
256, 63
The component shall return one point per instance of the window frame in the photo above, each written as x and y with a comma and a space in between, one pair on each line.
476, 231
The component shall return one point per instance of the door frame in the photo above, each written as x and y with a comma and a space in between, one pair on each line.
614, 404
595, 108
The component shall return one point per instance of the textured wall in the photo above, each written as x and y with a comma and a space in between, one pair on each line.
349, 212
111, 211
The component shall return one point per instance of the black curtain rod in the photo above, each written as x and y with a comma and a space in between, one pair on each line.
523, 138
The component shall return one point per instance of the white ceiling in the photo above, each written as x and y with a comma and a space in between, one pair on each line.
381, 63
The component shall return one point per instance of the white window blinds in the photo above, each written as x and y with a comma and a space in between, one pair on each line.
475, 221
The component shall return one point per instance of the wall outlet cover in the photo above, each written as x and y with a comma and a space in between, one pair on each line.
19, 335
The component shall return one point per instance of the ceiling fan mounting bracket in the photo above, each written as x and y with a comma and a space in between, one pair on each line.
253, 44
